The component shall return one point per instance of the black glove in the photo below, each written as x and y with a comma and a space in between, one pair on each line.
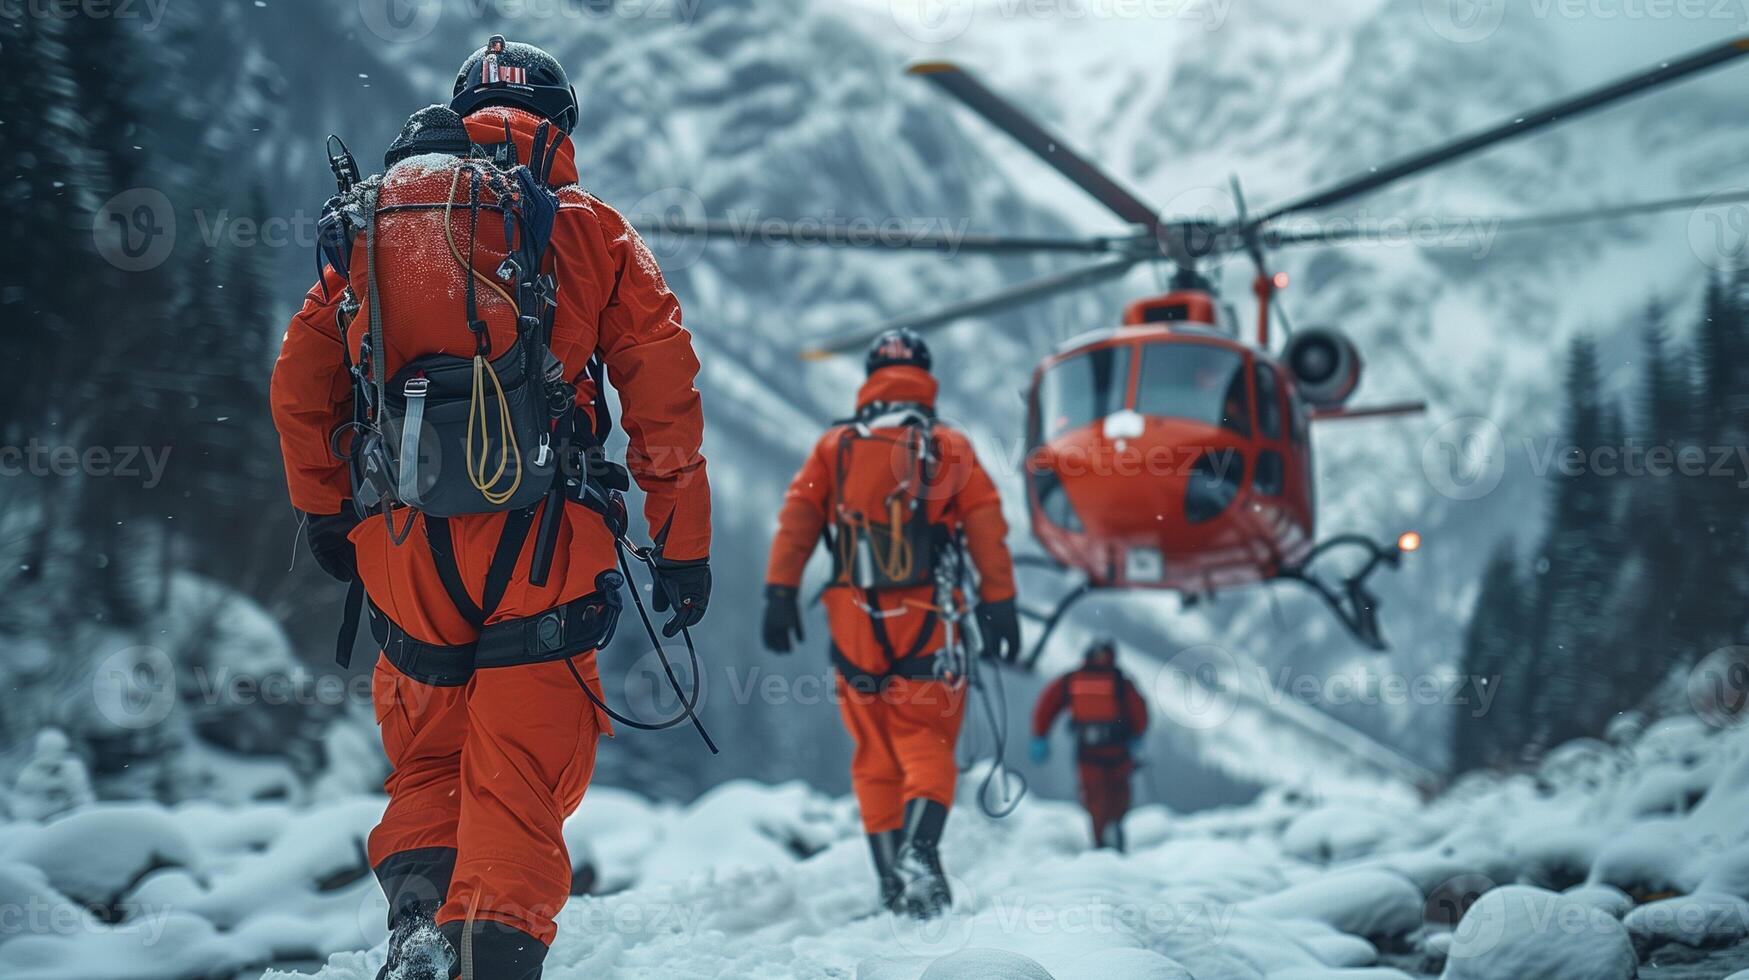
328, 542
1000, 626
685, 587
783, 616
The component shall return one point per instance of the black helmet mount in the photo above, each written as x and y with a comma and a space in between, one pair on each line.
899, 347
515, 74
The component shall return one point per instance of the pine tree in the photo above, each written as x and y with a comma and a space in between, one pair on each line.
1496, 654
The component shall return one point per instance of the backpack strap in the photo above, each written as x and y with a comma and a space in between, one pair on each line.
498, 573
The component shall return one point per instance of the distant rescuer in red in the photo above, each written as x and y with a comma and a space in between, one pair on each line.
900, 500
455, 352
1107, 716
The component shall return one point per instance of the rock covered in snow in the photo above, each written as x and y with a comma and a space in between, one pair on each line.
1604, 898
53, 782
1369, 904
1520, 931
985, 964
1124, 964
1701, 920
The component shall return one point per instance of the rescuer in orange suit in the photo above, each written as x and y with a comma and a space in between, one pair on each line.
894, 492
1106, 717
487, 760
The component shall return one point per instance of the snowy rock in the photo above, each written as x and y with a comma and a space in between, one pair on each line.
53, 782
1319, 973
1649, 860
1604, 898
1700, 920
1339, 833
95, 854
1370, 904
1557, 857
1124, 964
1726, 873
985, 964
1519, 931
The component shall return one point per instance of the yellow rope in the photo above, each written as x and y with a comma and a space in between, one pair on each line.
509, 452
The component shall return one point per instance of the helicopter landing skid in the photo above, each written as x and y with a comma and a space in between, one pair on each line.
1353, 603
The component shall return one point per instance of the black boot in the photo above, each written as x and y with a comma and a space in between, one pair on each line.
491, 950
414, 882
926, 892
417, 951
884, 847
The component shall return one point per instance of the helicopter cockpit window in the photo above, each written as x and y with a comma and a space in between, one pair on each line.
1083, 389
1268, 402
1199, 382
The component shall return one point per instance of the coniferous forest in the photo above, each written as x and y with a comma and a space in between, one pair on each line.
1642, 571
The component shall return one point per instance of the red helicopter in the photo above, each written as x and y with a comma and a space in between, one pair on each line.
1167, 452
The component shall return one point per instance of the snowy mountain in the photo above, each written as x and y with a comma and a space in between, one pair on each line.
799, 110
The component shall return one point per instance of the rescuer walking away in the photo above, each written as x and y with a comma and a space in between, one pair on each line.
441, 410
1107, 717
900, 500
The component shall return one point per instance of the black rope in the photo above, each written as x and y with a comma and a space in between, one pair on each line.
689, 703
998, 720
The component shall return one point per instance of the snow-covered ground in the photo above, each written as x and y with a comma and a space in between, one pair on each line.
1609, 858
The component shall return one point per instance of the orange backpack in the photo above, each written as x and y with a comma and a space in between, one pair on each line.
887, 528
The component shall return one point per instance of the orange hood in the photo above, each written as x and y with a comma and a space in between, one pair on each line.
899, 383
486, 126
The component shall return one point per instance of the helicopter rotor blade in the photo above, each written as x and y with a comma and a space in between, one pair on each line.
1277, 238
1522, 125
1007, 117
1020, 295
774, 231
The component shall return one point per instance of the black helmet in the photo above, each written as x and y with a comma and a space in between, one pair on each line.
902, 347
1102, 652
514, 74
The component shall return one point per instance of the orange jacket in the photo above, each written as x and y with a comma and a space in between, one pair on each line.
961, 495
612, 300
1091, 694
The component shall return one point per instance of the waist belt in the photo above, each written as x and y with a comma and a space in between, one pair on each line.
869, 682
1095, 734
584, 623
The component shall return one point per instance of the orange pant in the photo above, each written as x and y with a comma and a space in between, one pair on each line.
904, 732
904, 736
482, 774
489, 771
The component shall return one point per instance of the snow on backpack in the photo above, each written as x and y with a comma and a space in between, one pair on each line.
457, 397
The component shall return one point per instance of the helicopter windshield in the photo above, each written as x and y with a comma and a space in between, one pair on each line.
1083, 389
1199, 382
